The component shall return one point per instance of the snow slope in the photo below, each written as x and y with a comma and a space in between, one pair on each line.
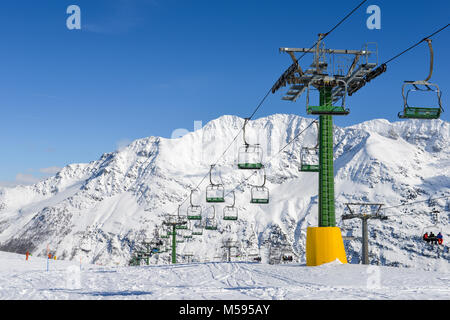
29, 280
101, 210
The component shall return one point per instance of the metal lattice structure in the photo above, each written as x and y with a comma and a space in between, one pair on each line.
333, 85
174, 222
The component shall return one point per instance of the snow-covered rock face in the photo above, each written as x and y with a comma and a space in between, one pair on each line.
99, 211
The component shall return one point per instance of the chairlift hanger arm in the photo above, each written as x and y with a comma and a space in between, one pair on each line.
431, 59
243, 131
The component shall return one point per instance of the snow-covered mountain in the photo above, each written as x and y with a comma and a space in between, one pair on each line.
99, 211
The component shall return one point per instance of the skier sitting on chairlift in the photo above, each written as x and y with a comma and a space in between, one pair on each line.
440, 238
425, 237
433, 238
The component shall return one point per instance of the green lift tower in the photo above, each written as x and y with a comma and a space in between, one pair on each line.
333, 81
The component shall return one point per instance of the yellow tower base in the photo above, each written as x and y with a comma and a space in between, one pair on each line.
323, 245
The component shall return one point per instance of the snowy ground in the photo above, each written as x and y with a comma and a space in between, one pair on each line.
22, 279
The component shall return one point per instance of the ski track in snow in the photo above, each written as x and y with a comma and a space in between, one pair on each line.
22, 279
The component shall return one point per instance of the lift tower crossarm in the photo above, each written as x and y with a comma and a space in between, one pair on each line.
328, 51
364, 218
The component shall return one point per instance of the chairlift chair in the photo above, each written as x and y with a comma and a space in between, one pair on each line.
260, 194
210, 222
309, 159
214, 192
187, 233
433, 228
230, 213
422, 86
163, 233
187, 236
249, 155
194, 212
328, 94
197, 229
180, 238
309, 156
182, 219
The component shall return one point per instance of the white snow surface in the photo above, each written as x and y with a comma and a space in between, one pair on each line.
30, 280
98, 212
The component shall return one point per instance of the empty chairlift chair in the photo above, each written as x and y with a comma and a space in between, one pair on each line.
230, 213
309, 159
260, 194
214, 192
210, 221
163, 233
197, 228
328, 96
179, 237
426, 89
187, 233
250, 155
309, 156
182, 220
194, 212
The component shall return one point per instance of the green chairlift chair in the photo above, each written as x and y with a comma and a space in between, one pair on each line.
250, 155
260, 194
230, 213
423, 87
215, 193
194, 212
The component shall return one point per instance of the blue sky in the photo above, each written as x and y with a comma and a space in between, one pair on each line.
147, 67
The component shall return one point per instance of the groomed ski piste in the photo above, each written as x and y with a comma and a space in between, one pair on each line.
65, 280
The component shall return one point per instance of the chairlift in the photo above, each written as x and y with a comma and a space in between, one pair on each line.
214, 192
194, 212
180, 238
431, 229
309, 156
197, 229
182, 220
327, 94
260, 194
287, 254
435, 229
163, 233
210, 221
249, 155
230, 213
422, 87
187, 233
187, 236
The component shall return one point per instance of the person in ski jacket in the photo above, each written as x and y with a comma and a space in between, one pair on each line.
433, 239
425, 237
440, 238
